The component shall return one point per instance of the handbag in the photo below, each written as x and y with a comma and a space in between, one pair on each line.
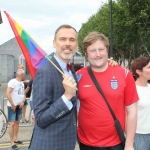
116, 121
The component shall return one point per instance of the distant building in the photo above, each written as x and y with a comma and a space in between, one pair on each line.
11, 55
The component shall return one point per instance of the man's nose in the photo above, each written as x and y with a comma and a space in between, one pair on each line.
67, 42
97, 52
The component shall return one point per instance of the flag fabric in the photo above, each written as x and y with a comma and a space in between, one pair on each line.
33, 53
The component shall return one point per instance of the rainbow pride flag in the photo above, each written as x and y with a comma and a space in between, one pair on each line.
33, 53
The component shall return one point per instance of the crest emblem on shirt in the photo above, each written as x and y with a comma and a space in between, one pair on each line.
114, 84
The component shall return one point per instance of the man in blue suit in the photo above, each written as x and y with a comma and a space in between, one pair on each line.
55, 97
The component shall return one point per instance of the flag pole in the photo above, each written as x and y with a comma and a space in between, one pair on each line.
47, 56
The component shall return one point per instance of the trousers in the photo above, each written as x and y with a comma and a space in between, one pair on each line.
86, 147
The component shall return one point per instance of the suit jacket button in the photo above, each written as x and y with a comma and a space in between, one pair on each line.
75, 124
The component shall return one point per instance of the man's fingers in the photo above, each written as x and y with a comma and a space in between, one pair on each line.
68, 78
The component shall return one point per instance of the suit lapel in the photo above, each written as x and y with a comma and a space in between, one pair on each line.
57, 64
72, 70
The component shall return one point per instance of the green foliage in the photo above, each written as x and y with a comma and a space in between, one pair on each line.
97, 22
131, 28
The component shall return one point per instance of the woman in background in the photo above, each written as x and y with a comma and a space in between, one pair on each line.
141, 70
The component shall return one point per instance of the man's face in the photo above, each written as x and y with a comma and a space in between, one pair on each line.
65, 43
23, 76
97, 55
21, 67
145, 73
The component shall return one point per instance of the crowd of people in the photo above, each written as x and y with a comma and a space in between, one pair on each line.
68, 107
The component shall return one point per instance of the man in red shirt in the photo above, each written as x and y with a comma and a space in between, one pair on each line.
96, 130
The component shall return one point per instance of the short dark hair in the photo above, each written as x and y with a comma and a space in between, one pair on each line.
64, 26
139, 63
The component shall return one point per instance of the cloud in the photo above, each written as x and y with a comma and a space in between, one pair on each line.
40, 18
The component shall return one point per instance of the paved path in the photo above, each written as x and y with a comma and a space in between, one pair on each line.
6, 146
25, 146
25, 130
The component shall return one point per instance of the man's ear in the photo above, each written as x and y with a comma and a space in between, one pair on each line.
54, 44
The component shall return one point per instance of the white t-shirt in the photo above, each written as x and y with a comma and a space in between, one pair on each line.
17, 93
143, 120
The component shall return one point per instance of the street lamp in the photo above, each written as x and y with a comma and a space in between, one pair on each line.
1, 21
111, 39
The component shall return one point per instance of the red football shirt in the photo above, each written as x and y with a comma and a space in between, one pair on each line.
96, 125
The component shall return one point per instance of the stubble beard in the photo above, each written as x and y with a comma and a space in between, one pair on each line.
66, 56
99, 66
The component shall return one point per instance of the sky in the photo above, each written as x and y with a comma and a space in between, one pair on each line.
40, 18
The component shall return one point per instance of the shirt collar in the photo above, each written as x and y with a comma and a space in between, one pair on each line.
60, 62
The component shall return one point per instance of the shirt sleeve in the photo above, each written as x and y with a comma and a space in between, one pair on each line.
11, 84
30, 83
67, 102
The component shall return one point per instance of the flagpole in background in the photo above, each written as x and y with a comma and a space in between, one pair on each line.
1, 21
111, 30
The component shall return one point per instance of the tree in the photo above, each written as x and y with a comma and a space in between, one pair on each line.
96, 22
131, 28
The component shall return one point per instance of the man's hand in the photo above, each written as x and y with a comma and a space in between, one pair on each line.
21, 104
69, 85
112, 62
129, 148
13, 107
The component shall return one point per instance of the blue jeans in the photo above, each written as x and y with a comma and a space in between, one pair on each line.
142, 141
14, 115
31, 105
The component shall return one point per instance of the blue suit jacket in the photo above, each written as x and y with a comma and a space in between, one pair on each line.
55, 127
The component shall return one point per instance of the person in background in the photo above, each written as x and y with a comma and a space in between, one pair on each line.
14, 75
24, 120
27, 94
96, 129
15, 96
141, 70
29, 88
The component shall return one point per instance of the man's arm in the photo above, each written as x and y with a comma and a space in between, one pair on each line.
26, 81
46, 110
22, 103
26, 90
8, 91
112, 62
131, 125
28, 87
